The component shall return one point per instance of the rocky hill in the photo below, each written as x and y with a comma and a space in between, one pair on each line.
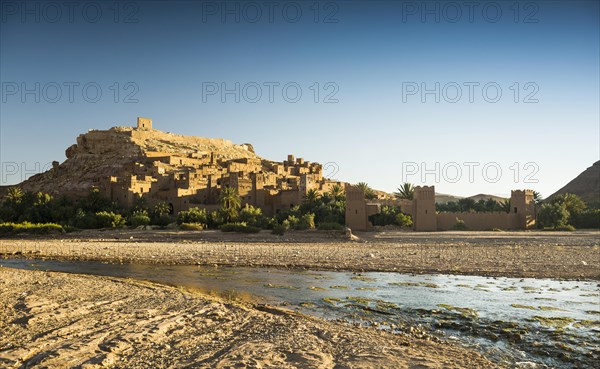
103, 153
586, 185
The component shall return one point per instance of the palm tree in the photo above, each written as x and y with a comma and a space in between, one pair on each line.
505, 205
310, 198
369, 193
15, 195
406, 191
337, 192
537, 198
162, 208
230, 199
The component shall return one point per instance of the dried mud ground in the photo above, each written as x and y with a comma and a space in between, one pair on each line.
569, 255
57, 320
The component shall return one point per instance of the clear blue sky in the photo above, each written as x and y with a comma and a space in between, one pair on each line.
372, 54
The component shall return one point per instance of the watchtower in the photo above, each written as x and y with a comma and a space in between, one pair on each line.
144, 123
424, 216
522, 204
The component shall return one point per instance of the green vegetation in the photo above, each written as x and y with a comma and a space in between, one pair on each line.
391, 215
567, 212
369, 192
193, 215
326, 210
138, 218
26, 227
459, 225
191, 227
239, 227
406, 191
330, 227
470, 205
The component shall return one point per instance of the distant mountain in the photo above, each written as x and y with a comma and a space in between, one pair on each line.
586, 185
442, 198
484, 197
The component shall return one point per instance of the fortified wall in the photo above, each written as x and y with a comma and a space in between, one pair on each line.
425, 218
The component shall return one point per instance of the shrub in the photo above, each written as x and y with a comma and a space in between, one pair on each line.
459, 225
330, 226
387, 215
252, 216
194, 215
292, 221
279, 230
162, 220
568, 228
239, 227
589, 218
191, 226
404, 220
83, 220
26, 227
307, 221
553, 215
105, 219
215, 219
139, 218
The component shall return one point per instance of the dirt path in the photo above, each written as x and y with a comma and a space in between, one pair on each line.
571, 255
60, 320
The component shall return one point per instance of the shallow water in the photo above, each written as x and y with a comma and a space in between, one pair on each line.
510, 320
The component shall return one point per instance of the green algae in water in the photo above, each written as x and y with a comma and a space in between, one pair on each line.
552, 322
404, 284
366, 288
384, 305
510, 288
363, 278
332, 300
338, 287
587, 324
360, 300
414, 284
463, 285
466, 312
314, 288
550, 308
518, 306
307, 304
280, 286
592, 312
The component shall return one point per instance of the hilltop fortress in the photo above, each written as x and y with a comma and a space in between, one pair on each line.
126, 163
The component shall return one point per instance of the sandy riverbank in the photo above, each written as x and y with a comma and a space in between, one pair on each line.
61, 320
515, 254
